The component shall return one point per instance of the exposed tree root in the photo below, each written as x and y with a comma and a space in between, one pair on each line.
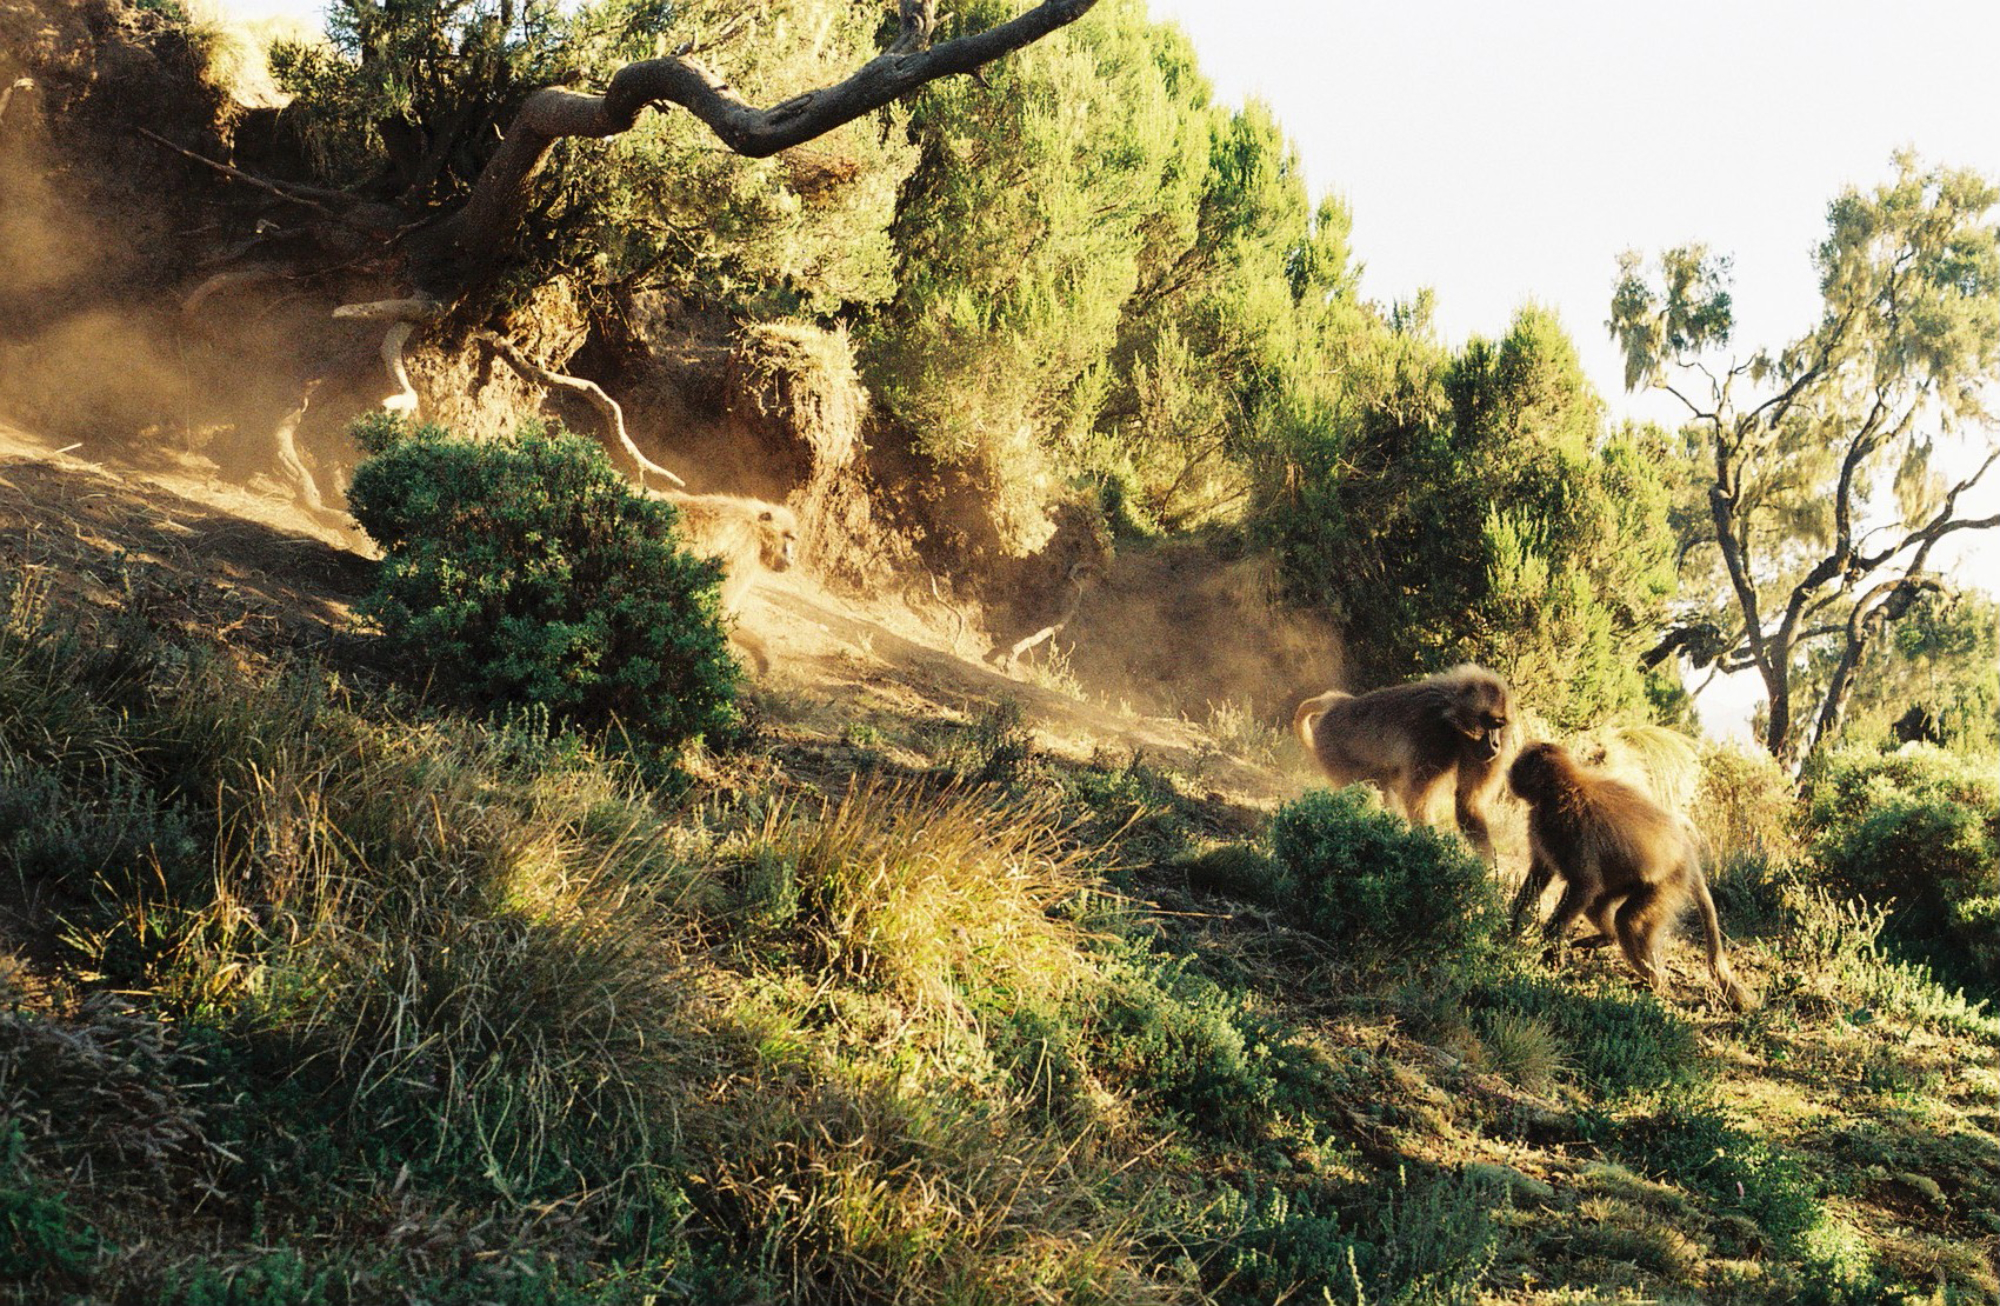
229, 280
607, 407
404, 315
7, 95
1078, 576
294, 466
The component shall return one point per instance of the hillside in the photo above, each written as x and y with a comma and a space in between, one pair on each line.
1121, 1070
997, 945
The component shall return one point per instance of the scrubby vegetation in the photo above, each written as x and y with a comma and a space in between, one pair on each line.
442, 1005
504, 946
526, 575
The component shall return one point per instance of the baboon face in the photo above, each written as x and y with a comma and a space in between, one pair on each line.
1482, 718
777, 538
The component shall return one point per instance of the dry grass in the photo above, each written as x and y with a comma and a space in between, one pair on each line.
942, 899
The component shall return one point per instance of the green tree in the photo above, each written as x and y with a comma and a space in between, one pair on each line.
1220, 340
1474, 507
1822, 465
1021, 237
452, 213
1933, 678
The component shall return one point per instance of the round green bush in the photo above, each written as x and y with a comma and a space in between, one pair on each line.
1917, 831
1395, 894
526, 571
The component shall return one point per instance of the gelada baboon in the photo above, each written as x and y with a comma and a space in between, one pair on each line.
1408, 739
747, 535
1626, 862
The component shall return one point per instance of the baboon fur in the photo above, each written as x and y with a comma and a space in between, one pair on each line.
1627, 863
1407, 740
748, 535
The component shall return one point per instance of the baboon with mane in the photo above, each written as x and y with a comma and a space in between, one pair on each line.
1626, 863
1408, 739
747, 535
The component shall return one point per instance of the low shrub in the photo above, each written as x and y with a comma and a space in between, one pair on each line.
43, 1243
1834, 945
945, 900
1916, 832
1391, 894
1438, 1238
527, 571
1697, 1143
1282, 1246
1745, 807
1185, 1043
1615, 1039
1132, 804
1402, 1239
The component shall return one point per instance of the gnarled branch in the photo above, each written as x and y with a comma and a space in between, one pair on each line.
443, 257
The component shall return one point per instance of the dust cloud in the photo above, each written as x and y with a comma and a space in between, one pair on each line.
1180, 630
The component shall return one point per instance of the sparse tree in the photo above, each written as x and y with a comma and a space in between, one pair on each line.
1823, 466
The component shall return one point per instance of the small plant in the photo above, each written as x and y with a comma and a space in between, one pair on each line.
1615, 1039
42, 1242
1179, 1040
1437, 1239
944, 900
1838, 943
1523, 1049
1391, 894
1745, 808
1697, 1143
525, 571
1238, 732
1281, 1246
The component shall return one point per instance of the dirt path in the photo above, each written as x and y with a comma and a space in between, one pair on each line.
249, 564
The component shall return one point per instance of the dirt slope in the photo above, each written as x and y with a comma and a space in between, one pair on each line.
247, 560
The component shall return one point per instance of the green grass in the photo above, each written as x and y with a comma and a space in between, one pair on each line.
465, 1009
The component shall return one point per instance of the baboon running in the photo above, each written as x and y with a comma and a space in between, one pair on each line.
1407, 739
747, 535
1626, 862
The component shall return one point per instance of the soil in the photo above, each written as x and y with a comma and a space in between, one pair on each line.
249, 564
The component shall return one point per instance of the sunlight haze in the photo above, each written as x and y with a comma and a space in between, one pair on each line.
1500, 155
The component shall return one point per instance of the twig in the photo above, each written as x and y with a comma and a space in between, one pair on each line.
302, 195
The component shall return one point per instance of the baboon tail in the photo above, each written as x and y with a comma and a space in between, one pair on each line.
1309, 712
1711, 927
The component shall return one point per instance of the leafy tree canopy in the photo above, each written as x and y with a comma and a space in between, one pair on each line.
1823, 474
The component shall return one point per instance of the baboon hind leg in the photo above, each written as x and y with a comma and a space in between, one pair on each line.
1639, 930
1530, 895
1603, 914
1575, 897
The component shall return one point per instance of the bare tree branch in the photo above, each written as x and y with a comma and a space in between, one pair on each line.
1881, 605
466, 240
317, 198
